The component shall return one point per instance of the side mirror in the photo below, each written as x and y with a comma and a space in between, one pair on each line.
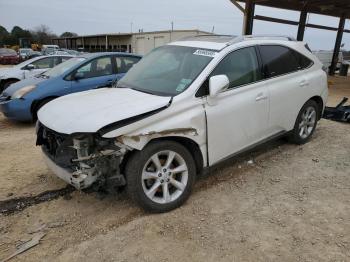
78, 76
30, 67
217, 84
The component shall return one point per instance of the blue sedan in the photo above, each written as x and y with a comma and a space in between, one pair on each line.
22, 100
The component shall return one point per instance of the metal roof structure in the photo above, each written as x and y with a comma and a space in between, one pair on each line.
335, 8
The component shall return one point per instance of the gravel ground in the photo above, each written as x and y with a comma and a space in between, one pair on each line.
291, 204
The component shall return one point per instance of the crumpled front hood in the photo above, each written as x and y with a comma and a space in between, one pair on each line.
89, 111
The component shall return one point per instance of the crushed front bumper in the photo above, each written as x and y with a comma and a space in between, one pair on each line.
78, 179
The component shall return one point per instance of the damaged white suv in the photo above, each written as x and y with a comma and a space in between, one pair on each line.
183, 108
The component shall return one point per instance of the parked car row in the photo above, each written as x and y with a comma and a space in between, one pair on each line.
180, 110
11, 57
21, 100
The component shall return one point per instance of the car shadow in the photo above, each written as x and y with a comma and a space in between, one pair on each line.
239, 164
6, 123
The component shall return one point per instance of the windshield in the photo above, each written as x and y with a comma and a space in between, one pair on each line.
167, 70
7, 51
63, 67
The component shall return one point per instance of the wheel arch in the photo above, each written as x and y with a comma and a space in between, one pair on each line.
192, 147
320, 105
4, 81
36, 103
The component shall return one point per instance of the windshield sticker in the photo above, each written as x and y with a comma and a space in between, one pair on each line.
183, 84
204, 53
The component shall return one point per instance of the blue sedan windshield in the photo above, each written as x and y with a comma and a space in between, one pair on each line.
63, 67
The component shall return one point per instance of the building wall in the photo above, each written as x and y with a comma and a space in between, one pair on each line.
142, 43
139, 43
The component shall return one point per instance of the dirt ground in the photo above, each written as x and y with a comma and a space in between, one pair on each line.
291, 204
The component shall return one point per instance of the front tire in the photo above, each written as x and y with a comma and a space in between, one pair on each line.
305, 123
161, 176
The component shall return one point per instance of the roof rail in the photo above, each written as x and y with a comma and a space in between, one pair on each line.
205, 36
266, 37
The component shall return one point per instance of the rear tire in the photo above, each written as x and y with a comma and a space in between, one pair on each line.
305, 123
161, 176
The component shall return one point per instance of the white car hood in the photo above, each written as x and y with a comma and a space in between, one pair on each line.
9, 72
89, 111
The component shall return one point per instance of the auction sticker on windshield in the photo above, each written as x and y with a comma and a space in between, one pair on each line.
204, 53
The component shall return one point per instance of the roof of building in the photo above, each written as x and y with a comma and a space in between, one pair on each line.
131, 34
336, 8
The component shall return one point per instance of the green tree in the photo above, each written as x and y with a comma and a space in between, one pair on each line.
17, 32
68, 34
3, 35
42, 34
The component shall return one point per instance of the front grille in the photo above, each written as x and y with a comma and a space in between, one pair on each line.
50, 139
57, 146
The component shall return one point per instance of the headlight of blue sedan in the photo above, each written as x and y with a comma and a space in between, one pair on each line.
23, 91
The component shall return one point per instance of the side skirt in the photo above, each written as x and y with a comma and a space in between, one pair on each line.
207, 169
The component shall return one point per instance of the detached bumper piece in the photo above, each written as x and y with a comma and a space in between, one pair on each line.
339, 113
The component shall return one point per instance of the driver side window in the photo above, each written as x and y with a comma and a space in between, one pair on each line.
97, 67
44, 63
241, 67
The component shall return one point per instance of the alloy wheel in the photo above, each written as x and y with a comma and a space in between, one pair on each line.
307, 122
164, 177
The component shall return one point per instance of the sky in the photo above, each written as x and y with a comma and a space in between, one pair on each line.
114, 16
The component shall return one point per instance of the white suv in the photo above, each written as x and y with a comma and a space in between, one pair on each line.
183, 108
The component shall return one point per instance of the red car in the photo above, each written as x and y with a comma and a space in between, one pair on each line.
8, 56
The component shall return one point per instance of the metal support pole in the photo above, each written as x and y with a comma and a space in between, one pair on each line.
302, 25
248, 17
106, 43
337, 46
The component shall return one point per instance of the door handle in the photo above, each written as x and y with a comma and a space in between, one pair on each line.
261, 96
303, 83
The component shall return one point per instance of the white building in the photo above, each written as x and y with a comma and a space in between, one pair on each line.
139, 43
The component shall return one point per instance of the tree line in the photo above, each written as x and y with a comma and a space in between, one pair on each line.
39, 35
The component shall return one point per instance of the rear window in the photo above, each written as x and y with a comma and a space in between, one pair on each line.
278, 60
6, 51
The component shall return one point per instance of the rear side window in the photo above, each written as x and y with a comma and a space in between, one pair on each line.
278, 60
303, 61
